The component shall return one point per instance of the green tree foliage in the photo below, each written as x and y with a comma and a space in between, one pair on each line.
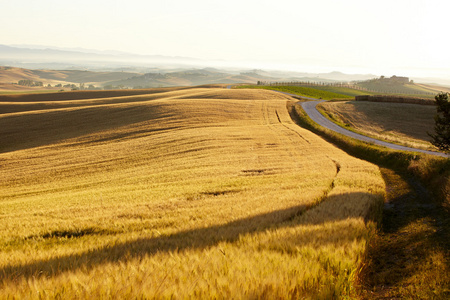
28, 82
441, 138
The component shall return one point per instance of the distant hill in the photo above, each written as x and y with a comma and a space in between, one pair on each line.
113, 69
395, 85
211, 76
70, 79
12, 75
157, 78
189, 78
41, 57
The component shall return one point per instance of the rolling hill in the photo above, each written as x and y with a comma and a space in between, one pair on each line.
157, 78
12, 75
194, 192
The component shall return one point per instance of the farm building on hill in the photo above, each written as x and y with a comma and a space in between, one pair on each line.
399, 79
394, 79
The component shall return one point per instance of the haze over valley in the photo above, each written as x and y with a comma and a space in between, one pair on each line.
90, 69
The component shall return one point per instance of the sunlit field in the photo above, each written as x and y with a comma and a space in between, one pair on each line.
322, 92
400, 123
202, 193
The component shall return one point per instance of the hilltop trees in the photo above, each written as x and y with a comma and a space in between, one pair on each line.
28, 82
441, 138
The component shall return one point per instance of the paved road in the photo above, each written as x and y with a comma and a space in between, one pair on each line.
316, 116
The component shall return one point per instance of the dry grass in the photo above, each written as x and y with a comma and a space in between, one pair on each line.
400, 123
62, 97
397, 99
12, 75
195, 193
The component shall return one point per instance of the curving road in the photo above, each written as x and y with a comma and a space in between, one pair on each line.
310, 108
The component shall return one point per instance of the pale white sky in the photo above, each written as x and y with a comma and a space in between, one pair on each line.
402, 37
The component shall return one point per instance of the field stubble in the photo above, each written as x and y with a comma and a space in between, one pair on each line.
400, 123
192, 193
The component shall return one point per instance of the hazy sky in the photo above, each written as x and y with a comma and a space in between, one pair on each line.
402, 37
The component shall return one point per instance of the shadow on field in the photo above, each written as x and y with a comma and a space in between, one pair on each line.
54, 102
203, 238
82, 95
25, 131
412, 120
414, 227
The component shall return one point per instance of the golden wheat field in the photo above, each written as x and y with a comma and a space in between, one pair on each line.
193, 193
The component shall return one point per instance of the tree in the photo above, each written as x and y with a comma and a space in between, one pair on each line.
26, 82
441, 138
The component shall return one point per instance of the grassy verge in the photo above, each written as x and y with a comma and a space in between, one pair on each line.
326, 94
409, 257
